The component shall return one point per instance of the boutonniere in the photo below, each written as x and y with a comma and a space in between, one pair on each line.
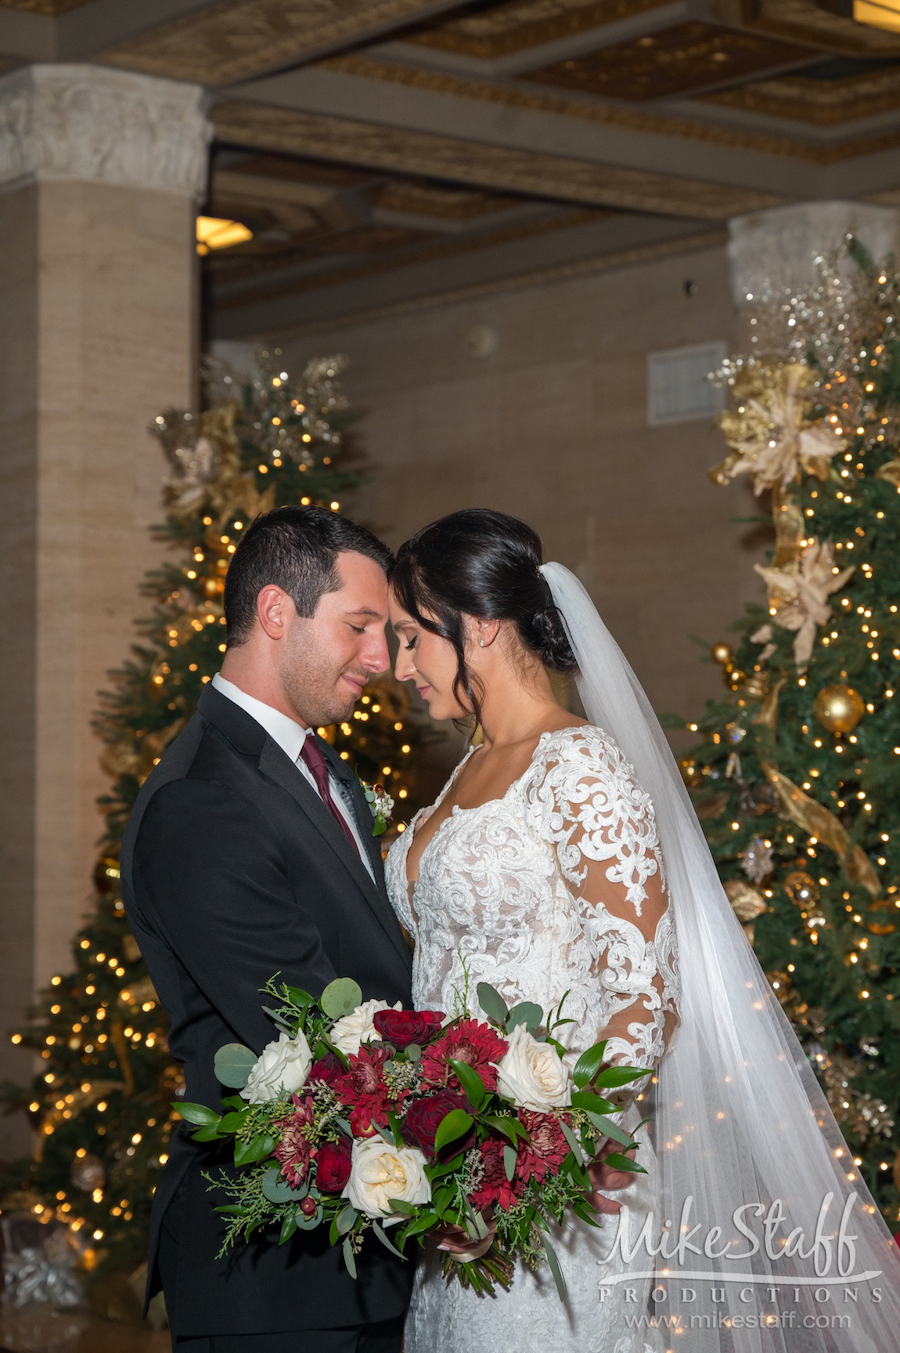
381, 804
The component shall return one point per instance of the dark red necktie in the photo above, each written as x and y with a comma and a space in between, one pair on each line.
313, 759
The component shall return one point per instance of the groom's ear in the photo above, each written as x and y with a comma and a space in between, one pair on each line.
274, 610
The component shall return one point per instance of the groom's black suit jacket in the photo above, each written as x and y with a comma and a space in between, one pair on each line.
233, 869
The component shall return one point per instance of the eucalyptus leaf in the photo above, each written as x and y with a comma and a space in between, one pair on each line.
346, 1220
573, 1142
340, 997
277, 1189
305, 1223
510, 1155
492, 1003
387, 1243
527, 1013
413, 1052
349, 1257
555, 1269
233, 1064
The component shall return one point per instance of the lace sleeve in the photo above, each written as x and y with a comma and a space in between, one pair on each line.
602, 827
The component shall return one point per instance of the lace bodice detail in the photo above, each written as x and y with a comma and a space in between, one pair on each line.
557, 886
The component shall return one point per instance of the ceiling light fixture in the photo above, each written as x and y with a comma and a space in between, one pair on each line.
878, 13
214, 233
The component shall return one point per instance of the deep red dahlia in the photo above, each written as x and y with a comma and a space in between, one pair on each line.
294, 1152
470, 1041
365, 1075
546, 1150
495, 1187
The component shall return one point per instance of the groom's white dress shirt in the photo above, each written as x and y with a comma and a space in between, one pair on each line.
290, 737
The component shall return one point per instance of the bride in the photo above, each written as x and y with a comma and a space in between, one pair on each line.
562, 856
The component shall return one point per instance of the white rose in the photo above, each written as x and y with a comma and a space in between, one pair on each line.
357, 1027
532, 1074
282, 1065
380, 1171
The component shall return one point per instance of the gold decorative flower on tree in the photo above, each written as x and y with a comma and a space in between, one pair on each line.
770, 427
798, 593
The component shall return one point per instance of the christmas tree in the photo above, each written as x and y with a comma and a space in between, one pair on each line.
101, 1103
797, 779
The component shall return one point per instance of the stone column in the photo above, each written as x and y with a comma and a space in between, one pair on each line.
100, 171
773, 250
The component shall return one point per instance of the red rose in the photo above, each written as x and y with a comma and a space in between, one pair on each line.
333, 1165
546, 1150
495, 1187
328, 1069
471, 1042
424, 1117
402, 1027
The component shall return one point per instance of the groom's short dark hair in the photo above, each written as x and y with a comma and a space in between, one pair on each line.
296, 548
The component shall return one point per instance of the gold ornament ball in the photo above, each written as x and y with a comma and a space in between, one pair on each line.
88, 1173
722, 653
802, 889
839, 708
756, 686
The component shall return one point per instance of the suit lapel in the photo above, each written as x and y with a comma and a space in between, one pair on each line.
278, 767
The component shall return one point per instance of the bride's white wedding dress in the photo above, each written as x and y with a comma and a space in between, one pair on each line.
557, 886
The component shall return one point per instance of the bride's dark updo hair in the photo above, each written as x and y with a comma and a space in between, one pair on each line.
484, 564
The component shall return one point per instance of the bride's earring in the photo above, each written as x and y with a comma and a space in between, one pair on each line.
481, 643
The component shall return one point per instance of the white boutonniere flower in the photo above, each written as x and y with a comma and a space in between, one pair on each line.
381, 804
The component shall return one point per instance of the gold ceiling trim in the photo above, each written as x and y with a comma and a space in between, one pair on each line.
51, 8
822, 103
563, 272
440, 82
427, 253
440, 204
807, 21
635, 120
242, 38
527, 23
509, 169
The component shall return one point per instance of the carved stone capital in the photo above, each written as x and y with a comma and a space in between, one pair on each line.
774, 249
106, 126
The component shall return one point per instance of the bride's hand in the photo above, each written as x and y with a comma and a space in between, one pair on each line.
603, 1176
456, 1240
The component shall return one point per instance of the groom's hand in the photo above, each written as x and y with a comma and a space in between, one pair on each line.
605, 1177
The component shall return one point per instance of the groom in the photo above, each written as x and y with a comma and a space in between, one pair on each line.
249, 852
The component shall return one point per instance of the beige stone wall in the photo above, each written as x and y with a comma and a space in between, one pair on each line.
98, 332
553, 428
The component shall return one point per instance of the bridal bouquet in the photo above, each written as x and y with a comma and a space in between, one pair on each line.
368, 1118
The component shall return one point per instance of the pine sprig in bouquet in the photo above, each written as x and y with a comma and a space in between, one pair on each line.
368, 1118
